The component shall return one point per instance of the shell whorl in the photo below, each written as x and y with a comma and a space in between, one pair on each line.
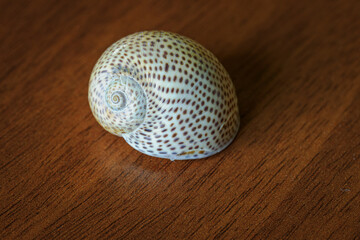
117, 100
166, 94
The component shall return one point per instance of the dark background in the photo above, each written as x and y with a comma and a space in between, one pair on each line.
291, 173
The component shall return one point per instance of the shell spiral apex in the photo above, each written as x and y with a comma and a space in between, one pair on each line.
166, 95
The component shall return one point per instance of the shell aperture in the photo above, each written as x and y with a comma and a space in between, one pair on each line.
167, 95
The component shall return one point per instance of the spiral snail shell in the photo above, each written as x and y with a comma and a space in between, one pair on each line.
166, 95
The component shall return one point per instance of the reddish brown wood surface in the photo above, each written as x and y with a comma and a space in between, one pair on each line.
293, 172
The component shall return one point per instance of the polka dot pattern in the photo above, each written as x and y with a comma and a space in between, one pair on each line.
167, 95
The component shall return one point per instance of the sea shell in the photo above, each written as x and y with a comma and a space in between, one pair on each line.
166, 95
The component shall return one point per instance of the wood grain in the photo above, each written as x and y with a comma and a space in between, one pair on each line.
291, 173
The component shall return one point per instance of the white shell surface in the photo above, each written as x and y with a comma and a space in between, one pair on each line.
166, 95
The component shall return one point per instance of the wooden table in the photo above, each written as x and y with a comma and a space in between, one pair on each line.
293, 171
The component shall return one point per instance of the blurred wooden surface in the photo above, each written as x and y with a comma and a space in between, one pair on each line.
293, 172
